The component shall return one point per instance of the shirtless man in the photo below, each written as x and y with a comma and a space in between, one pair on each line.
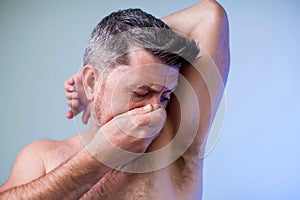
87, 166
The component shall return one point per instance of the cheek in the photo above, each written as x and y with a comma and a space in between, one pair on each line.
103, 104
99, 105
121, 101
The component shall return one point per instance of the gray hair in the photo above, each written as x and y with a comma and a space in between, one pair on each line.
118, 33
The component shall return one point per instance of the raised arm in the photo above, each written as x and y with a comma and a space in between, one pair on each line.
206, 23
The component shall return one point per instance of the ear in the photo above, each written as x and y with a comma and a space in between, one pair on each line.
89, 78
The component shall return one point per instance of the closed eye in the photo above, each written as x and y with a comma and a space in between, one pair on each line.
146, 92
141, 95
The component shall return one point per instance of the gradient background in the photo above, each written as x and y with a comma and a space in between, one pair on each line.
258, 154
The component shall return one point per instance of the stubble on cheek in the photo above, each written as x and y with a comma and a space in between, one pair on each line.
103, 104
96, 112
112, 97
99, 106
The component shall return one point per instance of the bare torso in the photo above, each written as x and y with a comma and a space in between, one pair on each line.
179, 180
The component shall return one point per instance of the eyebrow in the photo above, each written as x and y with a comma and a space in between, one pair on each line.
147, 87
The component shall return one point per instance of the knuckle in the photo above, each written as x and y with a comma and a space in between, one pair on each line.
136, 121
137, 111
75, 103
143, 133
139, 121
69, 95
74, 95
132, 113
70, 103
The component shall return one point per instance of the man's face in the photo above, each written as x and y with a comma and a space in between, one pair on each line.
147, 80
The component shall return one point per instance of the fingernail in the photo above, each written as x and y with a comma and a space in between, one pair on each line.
148, 107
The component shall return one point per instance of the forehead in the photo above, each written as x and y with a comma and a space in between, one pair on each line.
145, 69
152, 75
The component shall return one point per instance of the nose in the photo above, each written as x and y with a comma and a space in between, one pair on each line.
158, 101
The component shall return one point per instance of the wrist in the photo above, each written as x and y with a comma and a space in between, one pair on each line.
107, 153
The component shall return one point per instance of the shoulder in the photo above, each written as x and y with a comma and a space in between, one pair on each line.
28, 165
39, 150
55, 152
40, 146
206, 22
34, 153
31, 162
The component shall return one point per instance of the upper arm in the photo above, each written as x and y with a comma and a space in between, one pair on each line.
27, 167
211, 31
206, 23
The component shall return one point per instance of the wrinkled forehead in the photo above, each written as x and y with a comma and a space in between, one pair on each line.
151, 74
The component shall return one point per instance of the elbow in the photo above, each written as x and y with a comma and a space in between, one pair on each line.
214, 10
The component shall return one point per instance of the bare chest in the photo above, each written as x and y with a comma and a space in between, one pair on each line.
158, 185
120, 185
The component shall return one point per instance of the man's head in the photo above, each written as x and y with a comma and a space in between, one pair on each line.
135, 57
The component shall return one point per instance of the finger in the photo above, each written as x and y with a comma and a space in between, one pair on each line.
137, 116
141, 110
148, 119
74, 103
86, 113
69, 88
140, 120
156, 121
150, 124
69, 114
72, 95
68, 95
69, 82
157, 117
71, 79
77, 110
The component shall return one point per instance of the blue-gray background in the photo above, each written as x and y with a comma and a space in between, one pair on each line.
258, 154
